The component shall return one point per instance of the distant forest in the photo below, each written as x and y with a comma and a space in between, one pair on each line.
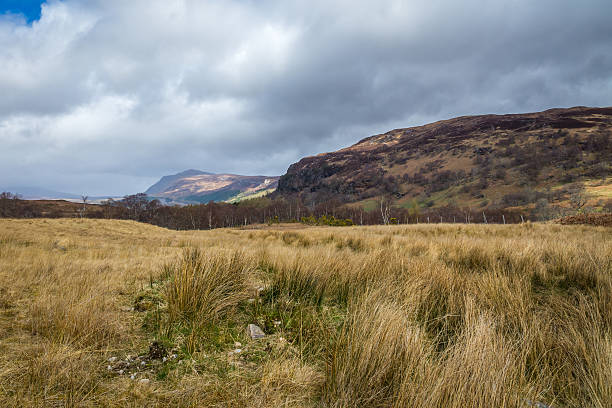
266, 210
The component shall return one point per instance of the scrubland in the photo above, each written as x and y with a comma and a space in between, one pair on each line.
389, 316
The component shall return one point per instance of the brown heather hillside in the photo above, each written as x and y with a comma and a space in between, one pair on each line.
17, 208
485, 161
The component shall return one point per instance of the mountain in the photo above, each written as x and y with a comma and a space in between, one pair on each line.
167, 182
485, 161
38, 193
45, 194
195, 186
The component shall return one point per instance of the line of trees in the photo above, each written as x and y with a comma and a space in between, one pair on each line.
270, 210
276, 210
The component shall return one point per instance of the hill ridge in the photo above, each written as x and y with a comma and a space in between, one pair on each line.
471, 160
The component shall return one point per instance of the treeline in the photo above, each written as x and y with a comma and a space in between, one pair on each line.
265, 210
282, 210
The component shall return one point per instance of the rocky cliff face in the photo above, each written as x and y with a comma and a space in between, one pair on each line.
467, 159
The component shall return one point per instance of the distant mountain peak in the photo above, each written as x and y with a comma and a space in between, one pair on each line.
191, 172
196, 186
31, 192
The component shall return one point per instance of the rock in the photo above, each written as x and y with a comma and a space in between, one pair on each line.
255, 332
120, 372
109, 368
237, 344
133, 376
144, 381
112, 359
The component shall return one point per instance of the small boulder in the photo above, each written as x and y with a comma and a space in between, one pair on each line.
255, 332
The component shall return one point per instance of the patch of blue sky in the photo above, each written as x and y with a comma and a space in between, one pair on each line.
30, 9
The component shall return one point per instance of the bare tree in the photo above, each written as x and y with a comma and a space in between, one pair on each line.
83, 209
578, 196
385, 210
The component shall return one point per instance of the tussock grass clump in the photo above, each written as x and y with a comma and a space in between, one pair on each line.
297, 281
377, 348
480, 369
71, 313
203, 287
53, 375
84, 321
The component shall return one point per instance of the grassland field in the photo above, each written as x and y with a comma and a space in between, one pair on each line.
118, 313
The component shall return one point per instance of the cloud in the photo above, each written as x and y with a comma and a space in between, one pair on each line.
107, 96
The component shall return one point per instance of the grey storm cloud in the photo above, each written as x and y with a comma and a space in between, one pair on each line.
106, 96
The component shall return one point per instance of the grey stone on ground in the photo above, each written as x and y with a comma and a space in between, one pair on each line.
255, 332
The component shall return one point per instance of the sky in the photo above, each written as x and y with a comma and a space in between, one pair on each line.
103, 97
30, 9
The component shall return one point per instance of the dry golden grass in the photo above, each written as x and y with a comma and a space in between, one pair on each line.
401, 316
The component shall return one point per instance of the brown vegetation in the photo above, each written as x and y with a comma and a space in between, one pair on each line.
419, 316
489, 161
603, 220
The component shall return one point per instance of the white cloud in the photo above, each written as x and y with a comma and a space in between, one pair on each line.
106, 95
